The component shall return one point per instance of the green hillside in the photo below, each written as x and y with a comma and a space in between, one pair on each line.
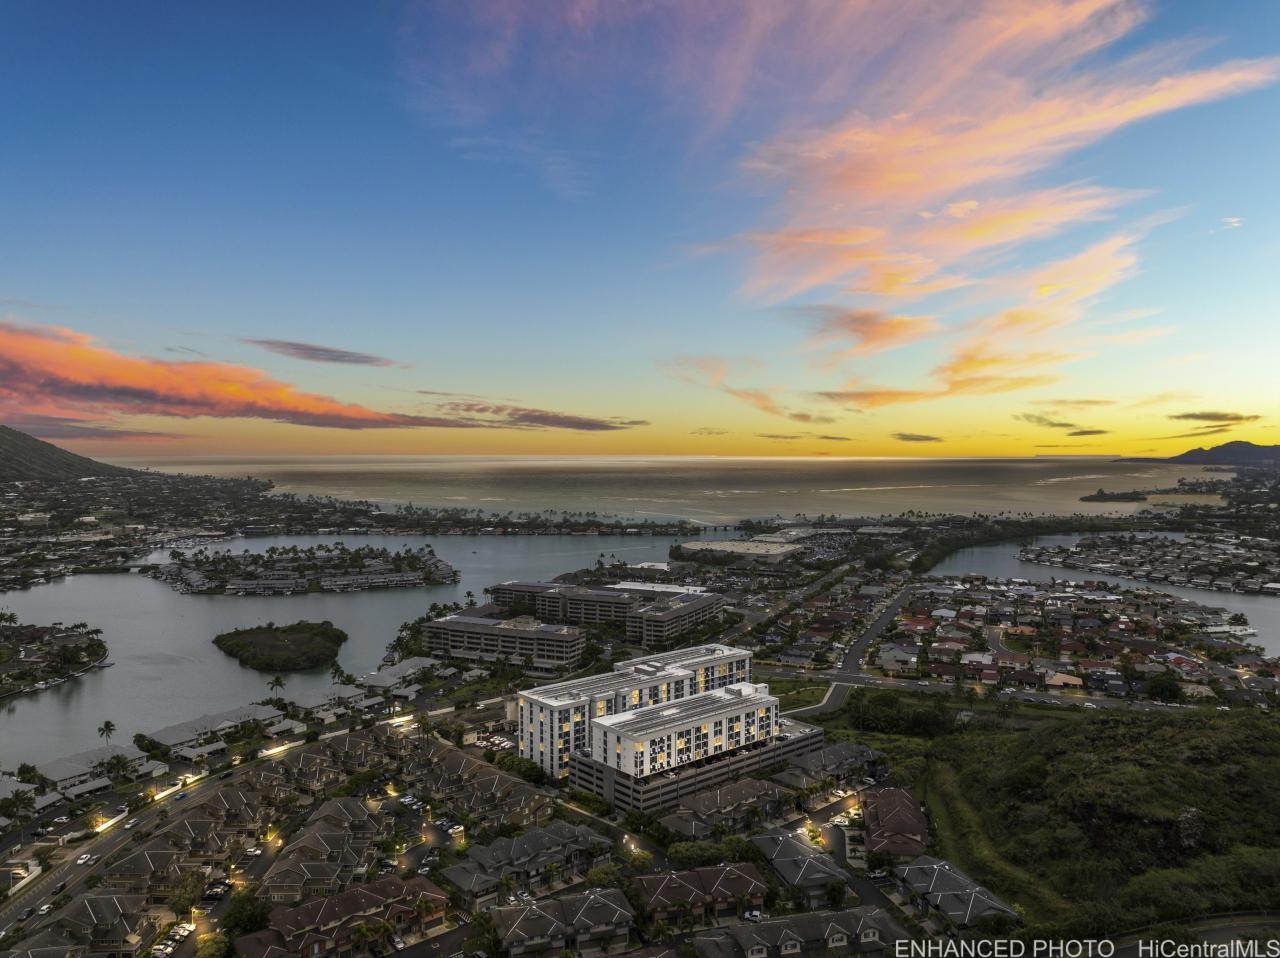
24, 457
1130, 819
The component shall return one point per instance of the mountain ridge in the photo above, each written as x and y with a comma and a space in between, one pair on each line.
1236, 453
23, 457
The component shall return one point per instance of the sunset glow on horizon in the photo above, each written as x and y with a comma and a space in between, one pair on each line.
822, 228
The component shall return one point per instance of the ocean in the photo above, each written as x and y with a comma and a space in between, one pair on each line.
705, 490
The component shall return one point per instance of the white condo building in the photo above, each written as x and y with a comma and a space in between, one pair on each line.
661, 737
556, 720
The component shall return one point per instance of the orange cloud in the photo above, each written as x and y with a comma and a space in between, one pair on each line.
867, 330
61, 379
711, 371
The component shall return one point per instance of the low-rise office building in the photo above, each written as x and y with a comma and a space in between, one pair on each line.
654, 615
539, 648
659, 624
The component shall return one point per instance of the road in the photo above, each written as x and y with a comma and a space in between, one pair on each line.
106, 843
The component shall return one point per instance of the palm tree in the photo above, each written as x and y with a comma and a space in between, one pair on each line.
361, 935
22, 806
335, 672
276, 683
660, 930
106, 730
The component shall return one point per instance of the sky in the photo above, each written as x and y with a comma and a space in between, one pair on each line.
664, 227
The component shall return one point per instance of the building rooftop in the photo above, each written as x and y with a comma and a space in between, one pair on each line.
642, 721
674, 664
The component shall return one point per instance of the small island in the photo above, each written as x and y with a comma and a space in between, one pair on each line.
284, 648
1103, 496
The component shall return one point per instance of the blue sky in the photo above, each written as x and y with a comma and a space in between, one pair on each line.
564, 209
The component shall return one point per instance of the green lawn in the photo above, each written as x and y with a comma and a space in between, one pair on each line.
797, 693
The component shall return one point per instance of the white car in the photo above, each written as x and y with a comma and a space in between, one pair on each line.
45, 908
61, 820
84, 859
131, 823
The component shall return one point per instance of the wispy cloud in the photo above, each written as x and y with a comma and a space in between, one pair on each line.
320, 354
1037, 420
711, 372
1210, 416
1209, 431
916, 437
561, 171
862, 332
794, 436
891, 182
1232, 222
498, 415
65, 427
1089, 432
1072, 403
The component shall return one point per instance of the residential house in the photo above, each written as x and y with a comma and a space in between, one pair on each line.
531, 860
702, 894
732, 808
895, 825
107, 923
852, 931
590, 924
800, 865
350, 922
938, 887
153, 871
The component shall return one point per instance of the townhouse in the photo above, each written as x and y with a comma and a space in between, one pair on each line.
532, 860
105, 923
853, 931
590, 924
937, 887
700, 894
895, 824
805, 868
731, 808
350, 922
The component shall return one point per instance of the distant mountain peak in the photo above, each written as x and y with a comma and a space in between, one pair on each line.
24, 457
1235, 453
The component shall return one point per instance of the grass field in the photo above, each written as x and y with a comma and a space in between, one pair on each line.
797, 693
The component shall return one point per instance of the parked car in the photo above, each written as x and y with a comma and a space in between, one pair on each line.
752, 915
878, 875
61, 820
